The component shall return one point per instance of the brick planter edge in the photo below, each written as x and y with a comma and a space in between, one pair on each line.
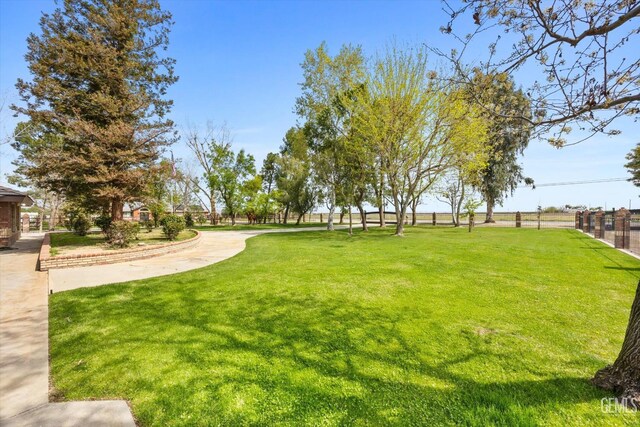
47, 262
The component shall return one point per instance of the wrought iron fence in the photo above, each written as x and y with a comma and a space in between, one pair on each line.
503, 219
621, 228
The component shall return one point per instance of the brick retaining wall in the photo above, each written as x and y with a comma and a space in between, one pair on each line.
47, 262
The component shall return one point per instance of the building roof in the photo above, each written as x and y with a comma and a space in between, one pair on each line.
10, 195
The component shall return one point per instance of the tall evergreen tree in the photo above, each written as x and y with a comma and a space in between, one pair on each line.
326, 125
99, 84
634, 165
508, 136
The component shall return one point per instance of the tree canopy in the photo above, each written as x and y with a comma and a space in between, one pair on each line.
98, 87
232, 177
633, 166
508, 136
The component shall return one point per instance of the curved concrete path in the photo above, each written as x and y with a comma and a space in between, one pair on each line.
213, 247
24, 324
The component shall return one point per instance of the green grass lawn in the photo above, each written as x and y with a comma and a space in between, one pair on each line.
248, 227
441, 327
62, 243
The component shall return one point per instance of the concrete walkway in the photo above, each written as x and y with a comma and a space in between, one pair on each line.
24, 351
214, 246
24, 323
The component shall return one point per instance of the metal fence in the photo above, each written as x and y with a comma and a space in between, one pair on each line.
619, 229
501, 219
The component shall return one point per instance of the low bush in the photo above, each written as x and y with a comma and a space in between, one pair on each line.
103, 221
149, 226
121, 233
80, 223
201, 219
188, 219
172, 225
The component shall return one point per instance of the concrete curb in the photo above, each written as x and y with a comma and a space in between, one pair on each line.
112, 413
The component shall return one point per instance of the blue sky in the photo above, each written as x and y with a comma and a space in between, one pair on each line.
239, 63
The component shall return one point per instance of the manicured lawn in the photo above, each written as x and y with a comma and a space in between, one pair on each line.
441, 327
62, 243
247, 227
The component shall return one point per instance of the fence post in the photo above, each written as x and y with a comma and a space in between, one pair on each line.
518, 219
598, 233
622, 237
578, 217
25, 223
433, 218
585, 221
320, 216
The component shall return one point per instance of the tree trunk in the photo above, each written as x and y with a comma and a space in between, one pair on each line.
233, 219
400, 228
55, 213
490, 204
623, 377
350, 222
341, 216
286, 214
299, 218
414, 214
381, 201
53, 219
330, 226
459, 205
363, 217
332, 208
117, 207
41, 214
400, 220
214, 215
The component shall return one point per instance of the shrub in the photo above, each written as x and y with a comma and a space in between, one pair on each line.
103, 221
121, 233
552, 209
188, 219
80, 223
149, 226
201, 218
172, 225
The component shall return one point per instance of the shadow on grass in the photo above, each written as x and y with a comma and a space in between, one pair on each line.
287, 358
622, 268
612, 255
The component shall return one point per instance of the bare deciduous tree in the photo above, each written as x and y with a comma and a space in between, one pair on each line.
585, 52
202, 147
